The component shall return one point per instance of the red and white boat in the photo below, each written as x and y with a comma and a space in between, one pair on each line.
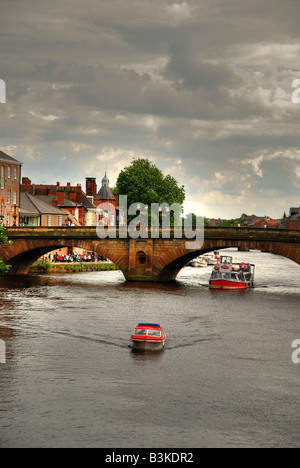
229, 275
148, 337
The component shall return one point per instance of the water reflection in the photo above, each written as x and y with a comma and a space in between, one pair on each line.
146, 356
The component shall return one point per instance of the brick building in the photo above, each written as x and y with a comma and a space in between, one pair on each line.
105, 200
293, 221
34, 212
67, 198
10, 176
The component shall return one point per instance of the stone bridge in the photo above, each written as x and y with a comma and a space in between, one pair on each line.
142, 259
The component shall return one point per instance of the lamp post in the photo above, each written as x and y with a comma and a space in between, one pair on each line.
14, 211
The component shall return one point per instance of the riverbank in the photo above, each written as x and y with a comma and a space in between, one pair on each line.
49, 267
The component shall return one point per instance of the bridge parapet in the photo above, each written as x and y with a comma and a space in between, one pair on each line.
90, 232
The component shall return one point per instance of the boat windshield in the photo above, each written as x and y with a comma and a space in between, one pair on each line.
154, 332
226, 260
147, 332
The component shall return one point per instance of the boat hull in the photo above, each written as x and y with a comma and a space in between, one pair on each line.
198, 264
144, 345
223, 284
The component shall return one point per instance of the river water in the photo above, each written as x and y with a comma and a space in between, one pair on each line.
225, 378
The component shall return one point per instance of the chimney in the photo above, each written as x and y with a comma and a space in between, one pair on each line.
60, 196
78, 194
26, 182
54, 202
90, 186
72, 194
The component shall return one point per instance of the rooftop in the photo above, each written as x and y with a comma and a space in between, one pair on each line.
33, 206
105, 192
8, 159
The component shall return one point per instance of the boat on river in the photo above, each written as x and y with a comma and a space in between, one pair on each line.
212, 258
229, 275
148, 337
198, 262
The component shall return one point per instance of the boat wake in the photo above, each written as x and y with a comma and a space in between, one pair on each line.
191, 343
95, 339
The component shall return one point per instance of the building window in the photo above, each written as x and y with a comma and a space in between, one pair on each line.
2, 208
48, 220
2, 178
8, 196
15, 172
8, 172
8, 219
60, 220
14, 197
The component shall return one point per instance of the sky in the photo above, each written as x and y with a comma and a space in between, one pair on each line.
202, 88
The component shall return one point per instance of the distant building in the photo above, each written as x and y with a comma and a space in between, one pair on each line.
265, 223
35, 212
248, 220
10, 176
213, 222
68, 198
294, 211
293, 221
106, 201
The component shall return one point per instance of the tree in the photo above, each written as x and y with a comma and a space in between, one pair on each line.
200, 219
3, 239
143, 182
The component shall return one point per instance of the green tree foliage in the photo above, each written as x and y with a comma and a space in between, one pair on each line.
3, 239
194, 218
232, 222
143, 182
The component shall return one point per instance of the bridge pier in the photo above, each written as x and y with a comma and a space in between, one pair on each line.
140, 261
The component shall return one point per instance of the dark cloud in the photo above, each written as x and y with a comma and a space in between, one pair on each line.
194, 72
202, 88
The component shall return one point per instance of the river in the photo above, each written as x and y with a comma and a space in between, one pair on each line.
225, 378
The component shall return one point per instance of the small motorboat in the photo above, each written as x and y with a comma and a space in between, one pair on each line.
212, 259
229, 275
198, 262
148, 337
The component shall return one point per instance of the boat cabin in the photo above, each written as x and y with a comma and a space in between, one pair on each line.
229, 275
148, 329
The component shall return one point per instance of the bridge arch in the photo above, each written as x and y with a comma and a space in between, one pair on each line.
26, 255
179, 259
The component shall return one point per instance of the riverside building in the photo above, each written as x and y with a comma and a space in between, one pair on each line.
10, 176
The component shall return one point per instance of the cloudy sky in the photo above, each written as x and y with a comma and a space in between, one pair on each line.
203, 88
